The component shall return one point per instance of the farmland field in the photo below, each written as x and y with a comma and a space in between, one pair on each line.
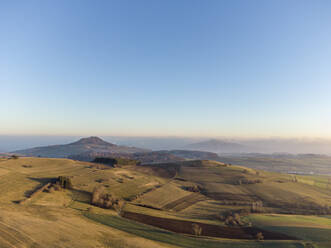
192, 192
316, 229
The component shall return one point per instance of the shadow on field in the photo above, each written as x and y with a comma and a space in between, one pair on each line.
161, 235
185, 227
42, 180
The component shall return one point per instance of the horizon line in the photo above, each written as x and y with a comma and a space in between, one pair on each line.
216, 137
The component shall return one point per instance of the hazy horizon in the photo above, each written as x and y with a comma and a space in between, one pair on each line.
9, 143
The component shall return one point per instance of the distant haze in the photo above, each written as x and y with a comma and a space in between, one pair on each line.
17, 142
272, 145
267, 145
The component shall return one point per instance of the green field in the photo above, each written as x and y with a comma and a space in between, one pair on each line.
316, 229
167, 237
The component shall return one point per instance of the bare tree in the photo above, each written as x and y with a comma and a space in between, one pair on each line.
196, 229
97, 194
14, 156
259, 236
120, 206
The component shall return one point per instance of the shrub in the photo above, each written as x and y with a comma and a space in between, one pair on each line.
57, 187
100, 180
309, 245
229, 221
259, 236
119, 180
26, 166
120, 206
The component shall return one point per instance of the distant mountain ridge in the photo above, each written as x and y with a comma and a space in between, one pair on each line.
93, 140
90, 144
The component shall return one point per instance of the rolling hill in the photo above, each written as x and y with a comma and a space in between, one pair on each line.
168, 197
143, 157
149, 157
284, 163
91, 144
240, 186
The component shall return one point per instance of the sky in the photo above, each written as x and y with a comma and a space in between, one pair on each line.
166, 68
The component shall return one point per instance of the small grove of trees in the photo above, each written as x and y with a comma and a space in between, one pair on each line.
194, 188
105, 200
257, 207
324, 210
196, 229
115, 161
231, 219
248, 181
14, 156
304, 207
107, 161
234, 220
236, 203
26, 166
294, 179
61, 183
64, 182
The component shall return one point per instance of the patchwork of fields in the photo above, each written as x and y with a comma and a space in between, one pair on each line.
190, 192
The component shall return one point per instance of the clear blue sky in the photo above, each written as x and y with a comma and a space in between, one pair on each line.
188, 68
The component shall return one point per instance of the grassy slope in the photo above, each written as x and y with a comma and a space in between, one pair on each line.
319, 164
167, 237
47, 221
311, 228
276, 188
172, 191
53, 215
219, 180
220, 184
